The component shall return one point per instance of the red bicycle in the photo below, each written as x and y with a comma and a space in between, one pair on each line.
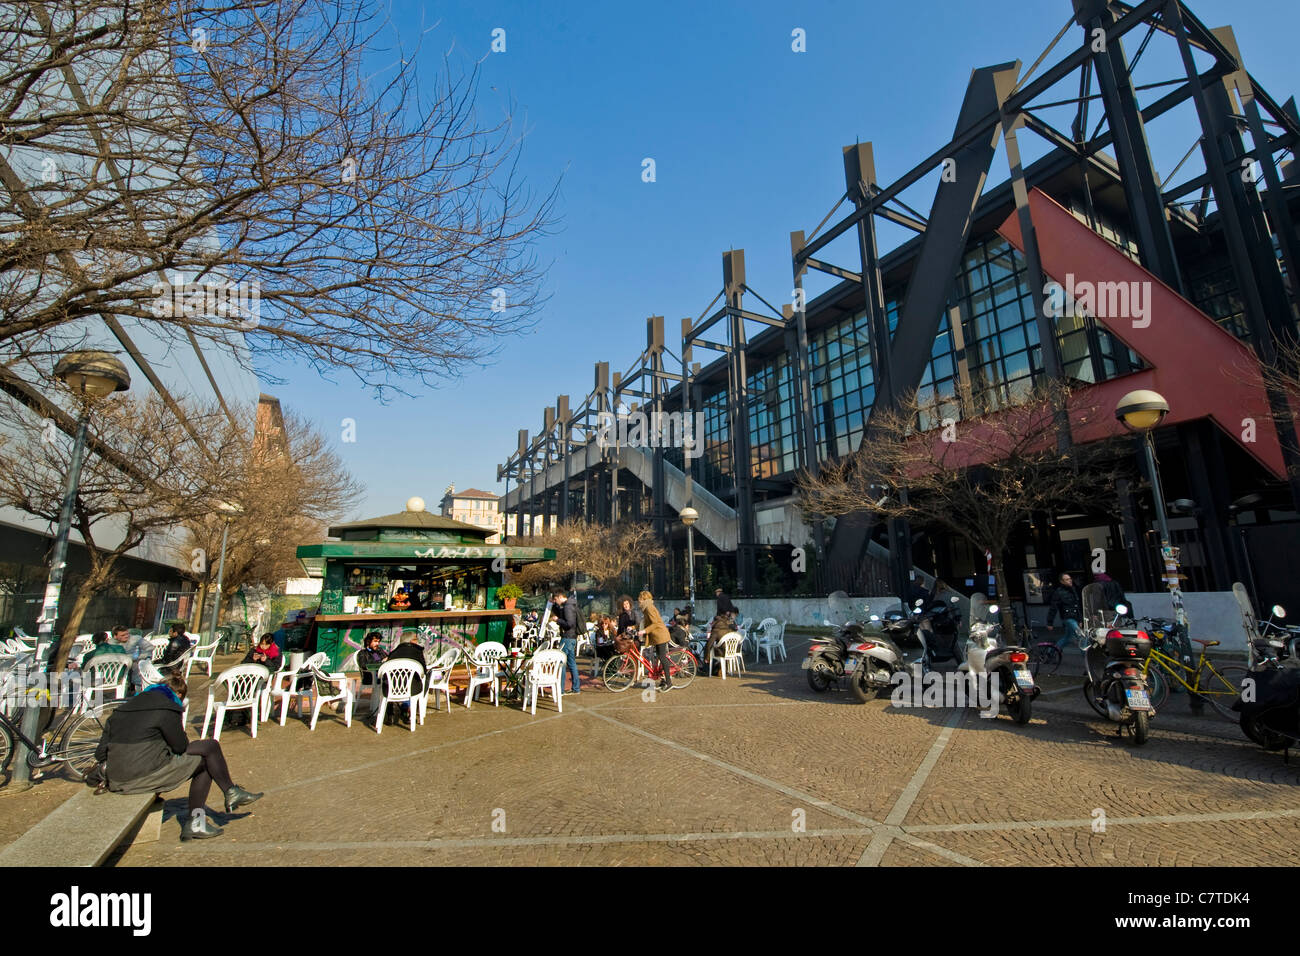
626, 668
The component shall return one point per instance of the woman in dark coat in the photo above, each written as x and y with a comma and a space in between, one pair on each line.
148, 751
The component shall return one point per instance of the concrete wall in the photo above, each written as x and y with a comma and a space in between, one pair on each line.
797, 612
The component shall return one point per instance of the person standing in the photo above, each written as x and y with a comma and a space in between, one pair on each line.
565, 613
1063, 602
656, 634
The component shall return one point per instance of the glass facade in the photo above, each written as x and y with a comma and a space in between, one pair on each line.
994, 351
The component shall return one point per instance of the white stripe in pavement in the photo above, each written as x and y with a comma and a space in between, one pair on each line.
875, 851
483, 842
791, 792
1110, 821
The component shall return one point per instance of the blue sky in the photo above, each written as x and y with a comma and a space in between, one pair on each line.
746, 137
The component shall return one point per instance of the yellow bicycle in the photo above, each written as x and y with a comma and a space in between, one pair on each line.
1219, 685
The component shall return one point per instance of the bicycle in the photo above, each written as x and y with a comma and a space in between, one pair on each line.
1221, 687
72, 740
625, 669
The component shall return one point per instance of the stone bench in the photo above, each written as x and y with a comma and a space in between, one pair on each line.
86, 829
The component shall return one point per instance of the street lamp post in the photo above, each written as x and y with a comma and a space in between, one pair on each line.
90, 375
229, 511
573, 566
689, 516
1142, 411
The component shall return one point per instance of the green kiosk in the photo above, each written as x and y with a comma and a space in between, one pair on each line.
411, 570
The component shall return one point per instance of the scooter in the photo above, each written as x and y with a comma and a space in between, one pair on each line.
1271, 717
985, 654
1276, 643
867, 662
1113, 684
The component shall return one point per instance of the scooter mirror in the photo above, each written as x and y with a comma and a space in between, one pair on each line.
1121, 608
875, 618
1279, 611
919, 602
954, 599
993, 609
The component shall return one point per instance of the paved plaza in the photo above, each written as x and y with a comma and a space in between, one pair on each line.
756, 770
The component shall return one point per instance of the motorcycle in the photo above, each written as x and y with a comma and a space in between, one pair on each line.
1113, 683
866, 662
985, 654
1272, 717
1276, 643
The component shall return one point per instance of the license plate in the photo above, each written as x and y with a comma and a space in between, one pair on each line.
1024, 679
849, 665
1137, 699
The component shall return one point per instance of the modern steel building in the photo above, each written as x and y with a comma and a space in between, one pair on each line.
1182, 283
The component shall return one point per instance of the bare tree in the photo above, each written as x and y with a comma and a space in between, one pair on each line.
220, 168
602, 553
978, 478
292, 487
152, 477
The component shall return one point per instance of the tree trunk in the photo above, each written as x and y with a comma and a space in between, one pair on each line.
73, 624
1004, 604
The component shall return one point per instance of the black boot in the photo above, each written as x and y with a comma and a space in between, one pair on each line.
195, 826
237, 796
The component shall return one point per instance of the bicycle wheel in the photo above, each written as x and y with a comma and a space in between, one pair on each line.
1221, 687
619, 673
80, 739
6, 748
1157, 686
1044, 658
682, 667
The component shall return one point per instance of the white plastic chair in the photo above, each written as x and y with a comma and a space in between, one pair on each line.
329, 689
439, 675
150, 675
203, 653
401, 675
273, 683
519, 634
107, 674
245, 687
484, 669
158, 646
770, 635
730, 656
545, 672
286, 688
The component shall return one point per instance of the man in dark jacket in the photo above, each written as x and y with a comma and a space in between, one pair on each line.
1064, 602
724, 604
565, 613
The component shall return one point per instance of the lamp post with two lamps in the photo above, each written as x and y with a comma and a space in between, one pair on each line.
90, 375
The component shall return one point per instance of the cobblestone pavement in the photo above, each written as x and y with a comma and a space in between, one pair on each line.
755, 770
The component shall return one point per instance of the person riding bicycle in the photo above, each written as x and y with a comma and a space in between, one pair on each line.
1064, 602
656, 634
